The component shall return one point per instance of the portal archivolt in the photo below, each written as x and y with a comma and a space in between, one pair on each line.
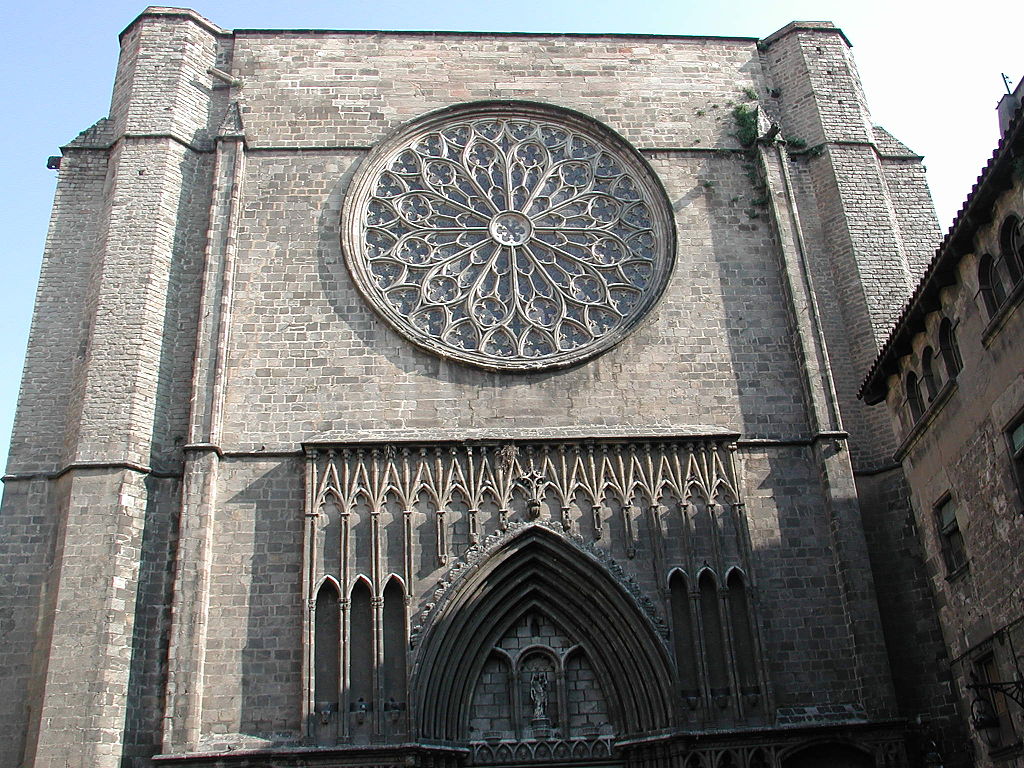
539, 636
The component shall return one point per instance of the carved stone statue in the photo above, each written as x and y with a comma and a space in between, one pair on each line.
539, 694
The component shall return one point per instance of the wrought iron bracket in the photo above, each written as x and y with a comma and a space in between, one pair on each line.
1013, 689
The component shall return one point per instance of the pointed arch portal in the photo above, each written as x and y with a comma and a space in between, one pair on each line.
539, 570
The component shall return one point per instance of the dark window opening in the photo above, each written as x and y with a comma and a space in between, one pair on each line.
949, 349
361, 662
394, 643
743, 633
953, 551
914, 396
714, 641
682, 636
326, 663
928, 373
1011, 247
992, 292
988, 672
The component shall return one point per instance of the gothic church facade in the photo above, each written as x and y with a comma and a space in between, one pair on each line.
469, 399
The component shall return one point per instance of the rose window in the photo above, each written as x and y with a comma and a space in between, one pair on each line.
512, 237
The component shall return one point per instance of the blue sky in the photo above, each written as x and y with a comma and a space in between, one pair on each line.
932, 78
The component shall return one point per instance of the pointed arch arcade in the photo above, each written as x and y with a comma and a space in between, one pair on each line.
539, 569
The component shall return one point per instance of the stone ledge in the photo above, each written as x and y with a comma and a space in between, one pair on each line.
180, 13
533, 434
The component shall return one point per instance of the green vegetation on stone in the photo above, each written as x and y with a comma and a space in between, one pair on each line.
746, 124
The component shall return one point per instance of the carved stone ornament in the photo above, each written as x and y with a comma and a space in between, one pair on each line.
511, 236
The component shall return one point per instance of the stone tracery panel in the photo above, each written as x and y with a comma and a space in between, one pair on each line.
422, 516
509, 236
452, 496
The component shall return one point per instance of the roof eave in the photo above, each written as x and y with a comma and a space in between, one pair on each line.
996, 177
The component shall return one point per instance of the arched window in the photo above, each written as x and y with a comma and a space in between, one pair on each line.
394, 643
949, 349
914, 396
743, 633
361, 644
327, 655
714, 642
928, 373
1011, 247
992, 292
682, 636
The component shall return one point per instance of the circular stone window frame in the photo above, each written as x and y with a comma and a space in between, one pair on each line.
362, 187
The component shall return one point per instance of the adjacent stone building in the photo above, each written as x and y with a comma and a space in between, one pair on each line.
470, 399
952, 375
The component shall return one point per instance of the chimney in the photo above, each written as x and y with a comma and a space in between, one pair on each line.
1009, 104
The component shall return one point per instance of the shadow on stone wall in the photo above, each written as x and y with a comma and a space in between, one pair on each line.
271, 586
147, 676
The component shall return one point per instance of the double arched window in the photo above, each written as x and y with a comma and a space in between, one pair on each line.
921, 389
999, 276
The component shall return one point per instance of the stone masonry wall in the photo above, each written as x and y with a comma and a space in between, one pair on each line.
25, 592
352, 89
254, 645
119, 304
60, 325
851, 187
855, 176
959, 449
254, 684
309, 357
305, 359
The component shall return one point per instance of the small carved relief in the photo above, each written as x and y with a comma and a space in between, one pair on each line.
539, 694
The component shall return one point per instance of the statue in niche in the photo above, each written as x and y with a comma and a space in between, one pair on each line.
539, 694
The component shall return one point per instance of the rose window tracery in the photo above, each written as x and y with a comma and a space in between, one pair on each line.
509, 236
